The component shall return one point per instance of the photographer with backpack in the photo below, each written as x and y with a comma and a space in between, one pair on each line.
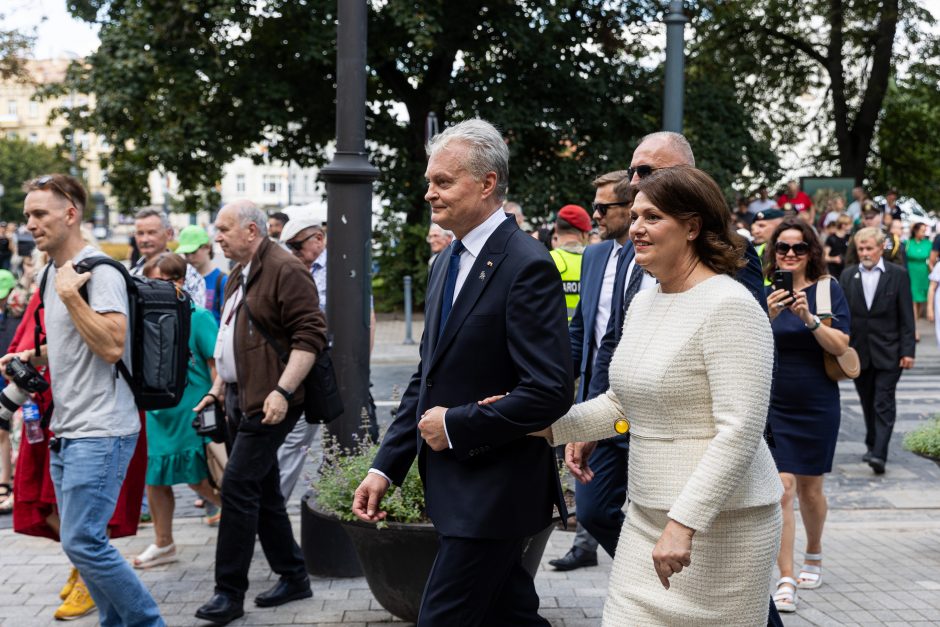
96, 421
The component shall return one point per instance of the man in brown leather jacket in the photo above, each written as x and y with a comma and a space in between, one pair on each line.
263, 398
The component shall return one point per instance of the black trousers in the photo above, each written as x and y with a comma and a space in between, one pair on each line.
479, 582
876, 390
252, 503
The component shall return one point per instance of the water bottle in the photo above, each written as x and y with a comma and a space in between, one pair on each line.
33, 421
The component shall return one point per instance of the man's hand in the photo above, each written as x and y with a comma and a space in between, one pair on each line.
431, 427
68, 282
673, 552
577, 455
368, 496
907, 363
23, 355
275, 408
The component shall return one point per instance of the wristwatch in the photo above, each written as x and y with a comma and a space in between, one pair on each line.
288, 395
816, 323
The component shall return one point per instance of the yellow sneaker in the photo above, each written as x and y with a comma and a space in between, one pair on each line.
67, 588
78, 604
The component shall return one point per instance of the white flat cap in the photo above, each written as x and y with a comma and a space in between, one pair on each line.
296, 225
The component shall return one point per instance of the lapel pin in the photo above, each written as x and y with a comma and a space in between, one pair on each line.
482, 275
489, 264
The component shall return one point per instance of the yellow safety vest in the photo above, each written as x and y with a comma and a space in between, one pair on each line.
569, 267
759, 249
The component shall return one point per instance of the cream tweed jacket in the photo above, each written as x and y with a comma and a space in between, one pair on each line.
692, 374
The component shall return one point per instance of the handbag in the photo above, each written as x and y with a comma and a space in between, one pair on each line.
838, 367
322, 401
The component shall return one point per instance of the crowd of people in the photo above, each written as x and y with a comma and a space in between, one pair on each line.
676, 352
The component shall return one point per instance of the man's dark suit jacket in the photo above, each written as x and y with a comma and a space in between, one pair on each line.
885, 333
581, 327
507, 332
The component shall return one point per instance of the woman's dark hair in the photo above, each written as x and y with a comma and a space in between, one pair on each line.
170, 265
917, 227
687, 193
816, 260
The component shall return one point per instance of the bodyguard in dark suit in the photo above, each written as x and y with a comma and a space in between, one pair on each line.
495, 324
600, 501
882, 331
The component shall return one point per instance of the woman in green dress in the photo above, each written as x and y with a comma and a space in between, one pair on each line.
175, 452
918, 252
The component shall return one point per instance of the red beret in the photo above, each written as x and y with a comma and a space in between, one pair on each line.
576, 216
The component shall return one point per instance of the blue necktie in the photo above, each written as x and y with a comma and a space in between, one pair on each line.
453, 269
633, 287
616, 297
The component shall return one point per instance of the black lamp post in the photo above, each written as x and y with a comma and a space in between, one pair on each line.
675, 67
349, 178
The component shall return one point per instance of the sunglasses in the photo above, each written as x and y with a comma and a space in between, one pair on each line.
602, 207
641, 170
300, 243
799, 249
48, 179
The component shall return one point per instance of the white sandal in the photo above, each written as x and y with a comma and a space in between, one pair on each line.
810, 576
154, 556
785, 598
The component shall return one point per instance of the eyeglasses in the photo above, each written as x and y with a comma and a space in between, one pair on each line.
799, 249
602, 207
641, 170
296, 246
48, 179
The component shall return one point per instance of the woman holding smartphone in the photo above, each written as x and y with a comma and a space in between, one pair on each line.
804, 405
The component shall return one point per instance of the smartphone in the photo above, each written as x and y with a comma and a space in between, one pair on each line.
783, 280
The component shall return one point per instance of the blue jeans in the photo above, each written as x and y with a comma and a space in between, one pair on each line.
87, 474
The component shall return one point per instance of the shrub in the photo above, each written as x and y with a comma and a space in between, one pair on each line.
925, 440
342, 472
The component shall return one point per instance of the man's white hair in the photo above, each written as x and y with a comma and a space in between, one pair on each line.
437, 228
486, 150
247, 213
676, 141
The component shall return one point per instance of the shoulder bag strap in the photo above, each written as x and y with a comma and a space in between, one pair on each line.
38, 326
824, 298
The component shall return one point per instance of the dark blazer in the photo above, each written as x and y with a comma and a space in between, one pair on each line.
581, 327
885, 333
507, 333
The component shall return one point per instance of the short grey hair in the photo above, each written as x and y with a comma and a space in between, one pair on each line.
437, 228
150, 212
870, 232
247, 213
486, 150
677, 142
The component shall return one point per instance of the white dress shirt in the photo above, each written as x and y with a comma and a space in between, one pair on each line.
607, 291
224, 353
318, 271
870, 280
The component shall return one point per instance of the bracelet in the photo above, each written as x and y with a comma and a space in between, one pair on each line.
288, 395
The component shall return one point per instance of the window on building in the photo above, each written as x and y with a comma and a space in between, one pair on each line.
271, 184
12, 135
11, 107
33, 109
34, 138
240, 183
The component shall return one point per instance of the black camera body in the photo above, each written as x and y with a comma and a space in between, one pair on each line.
25, 375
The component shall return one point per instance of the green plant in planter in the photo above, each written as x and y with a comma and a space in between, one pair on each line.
342, 472
925, 440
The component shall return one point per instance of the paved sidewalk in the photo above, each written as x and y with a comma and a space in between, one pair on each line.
882, 540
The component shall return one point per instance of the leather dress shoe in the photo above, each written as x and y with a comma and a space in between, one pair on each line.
284, 591
575, 558
866, 457
877, 464
220, 610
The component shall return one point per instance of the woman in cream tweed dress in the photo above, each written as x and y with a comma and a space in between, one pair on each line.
692, 375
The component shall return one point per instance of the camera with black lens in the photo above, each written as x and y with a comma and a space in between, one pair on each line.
26, 379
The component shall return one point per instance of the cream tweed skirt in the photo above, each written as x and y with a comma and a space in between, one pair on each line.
727, 584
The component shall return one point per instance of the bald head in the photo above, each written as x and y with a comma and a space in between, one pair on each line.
662, 150
247, 212
240, 229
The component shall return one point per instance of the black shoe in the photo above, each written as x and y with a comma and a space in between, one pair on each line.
877, 464
284, 591
866, 457
575, 558
220, 610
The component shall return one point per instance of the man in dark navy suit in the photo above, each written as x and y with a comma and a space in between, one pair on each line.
495, 324
600, 502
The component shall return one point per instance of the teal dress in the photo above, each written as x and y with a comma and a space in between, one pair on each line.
918, 252
175, 453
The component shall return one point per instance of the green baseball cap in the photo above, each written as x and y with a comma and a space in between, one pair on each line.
7, 283
191, 239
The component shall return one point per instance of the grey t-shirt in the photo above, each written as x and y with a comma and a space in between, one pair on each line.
90, 400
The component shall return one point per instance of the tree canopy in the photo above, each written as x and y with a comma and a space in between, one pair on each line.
21, 161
